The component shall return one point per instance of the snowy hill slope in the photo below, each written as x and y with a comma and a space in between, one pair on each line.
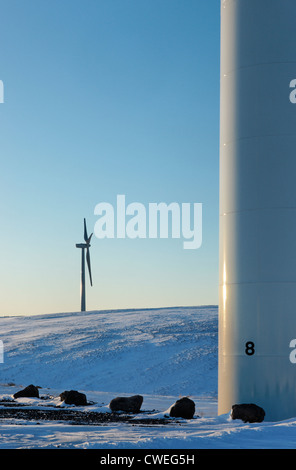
158, 353
162, 351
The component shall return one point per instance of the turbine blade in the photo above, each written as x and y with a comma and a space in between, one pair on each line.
88, 264
85, 231
86, 237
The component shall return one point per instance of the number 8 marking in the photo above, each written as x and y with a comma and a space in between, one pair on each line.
250, 348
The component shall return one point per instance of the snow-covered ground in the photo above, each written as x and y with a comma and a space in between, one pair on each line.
161, 354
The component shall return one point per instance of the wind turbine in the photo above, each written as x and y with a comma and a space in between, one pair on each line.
84, 246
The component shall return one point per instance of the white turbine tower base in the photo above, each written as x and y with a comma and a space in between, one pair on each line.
257, 306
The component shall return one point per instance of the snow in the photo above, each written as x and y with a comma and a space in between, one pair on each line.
161, 354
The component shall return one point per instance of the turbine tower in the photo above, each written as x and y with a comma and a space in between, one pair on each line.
83, 247
257, 307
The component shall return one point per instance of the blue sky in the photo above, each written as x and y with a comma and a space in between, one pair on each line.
106, 97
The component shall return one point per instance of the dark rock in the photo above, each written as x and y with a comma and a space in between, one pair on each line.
129, 404
248, 413
183, 408
29, 391
72, 397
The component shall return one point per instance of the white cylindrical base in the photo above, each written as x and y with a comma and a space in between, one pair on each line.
257, 305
